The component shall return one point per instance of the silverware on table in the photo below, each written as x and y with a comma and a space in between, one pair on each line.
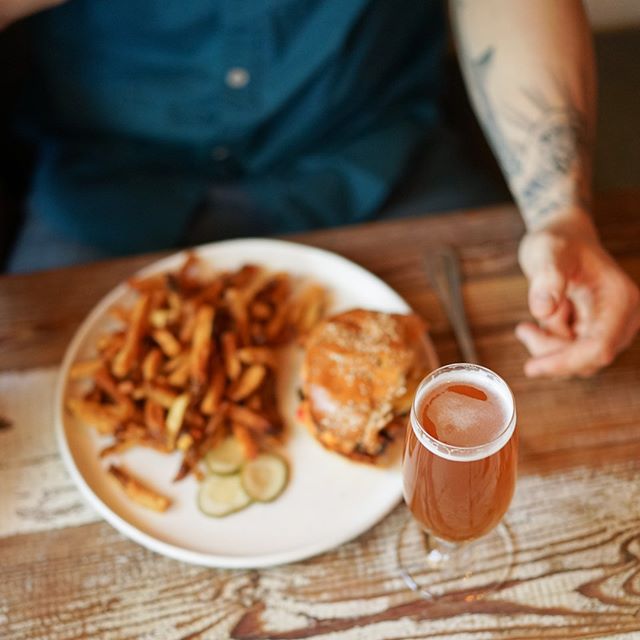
443, 270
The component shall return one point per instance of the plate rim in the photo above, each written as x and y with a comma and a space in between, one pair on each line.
147, 540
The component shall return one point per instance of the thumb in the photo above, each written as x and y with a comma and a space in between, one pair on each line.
546, 292
545, 261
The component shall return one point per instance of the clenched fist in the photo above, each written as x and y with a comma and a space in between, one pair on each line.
587, 309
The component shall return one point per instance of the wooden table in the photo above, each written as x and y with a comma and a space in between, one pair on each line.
576, 515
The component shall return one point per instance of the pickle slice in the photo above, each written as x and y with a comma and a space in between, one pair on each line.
265, 477
221, 496
226, 458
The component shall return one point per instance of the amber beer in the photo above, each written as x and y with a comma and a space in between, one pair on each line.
460, 456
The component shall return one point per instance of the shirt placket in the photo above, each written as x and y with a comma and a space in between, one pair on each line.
241, 77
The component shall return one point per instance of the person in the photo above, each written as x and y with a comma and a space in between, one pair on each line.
305, 113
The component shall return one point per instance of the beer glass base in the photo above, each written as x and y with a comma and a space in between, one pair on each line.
433, 568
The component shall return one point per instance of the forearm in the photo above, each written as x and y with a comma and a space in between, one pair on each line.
529, 69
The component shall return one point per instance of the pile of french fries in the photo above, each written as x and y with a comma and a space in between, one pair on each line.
193, 361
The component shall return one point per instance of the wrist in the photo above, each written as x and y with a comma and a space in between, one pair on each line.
569, 221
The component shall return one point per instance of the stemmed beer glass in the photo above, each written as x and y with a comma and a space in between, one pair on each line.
459, 474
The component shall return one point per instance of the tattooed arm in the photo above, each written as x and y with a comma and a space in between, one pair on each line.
529, 69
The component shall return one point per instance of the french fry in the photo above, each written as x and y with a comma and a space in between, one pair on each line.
201, 346
238, 308
213, 397
138, 491
117, 447
310, 308
214, 430
149, 284
187, 275
258, 355
126, 357
162, 318
131, 430
150, 443
261, 310
189, 461
85, 368
175, 417
243, 276
270, 399
198, 473
257, 284
276, 325
188, 322
159, 299
167, 342
184, 442
256, 329
175, 303
211, 293
250, 419
126, 387
246, 439
93, 395
250, 379
160, 394
151, 364
105, 418
154, 418
107, 383
120, 313
279, 289
138, 393
179, 376
110, 345
194, 420
175, 363
230, 353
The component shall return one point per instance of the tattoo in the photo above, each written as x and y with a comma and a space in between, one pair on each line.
479, 68
542, 146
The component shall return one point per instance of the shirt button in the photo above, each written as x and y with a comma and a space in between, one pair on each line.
220, 153
237, 78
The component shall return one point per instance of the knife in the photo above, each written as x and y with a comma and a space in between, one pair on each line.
443, 270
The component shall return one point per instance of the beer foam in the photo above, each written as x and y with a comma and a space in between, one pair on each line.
462, 420
464, 423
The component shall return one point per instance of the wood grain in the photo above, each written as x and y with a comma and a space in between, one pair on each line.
37, 493
576, 516
576, 574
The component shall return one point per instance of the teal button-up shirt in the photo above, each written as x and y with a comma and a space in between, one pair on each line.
311, 106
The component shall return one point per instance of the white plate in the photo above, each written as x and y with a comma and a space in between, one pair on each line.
329, 500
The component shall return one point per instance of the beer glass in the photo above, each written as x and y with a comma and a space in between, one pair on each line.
459, 473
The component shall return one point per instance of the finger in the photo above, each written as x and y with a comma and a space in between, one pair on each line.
559, 323
537, 341
548, 262
546, 292
580, 357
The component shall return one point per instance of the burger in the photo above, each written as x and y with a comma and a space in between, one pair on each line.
360, 372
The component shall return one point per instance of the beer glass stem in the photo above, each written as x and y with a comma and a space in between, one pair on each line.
431, 566
439, 550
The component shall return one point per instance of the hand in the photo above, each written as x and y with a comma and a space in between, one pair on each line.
587, 309
12, 10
